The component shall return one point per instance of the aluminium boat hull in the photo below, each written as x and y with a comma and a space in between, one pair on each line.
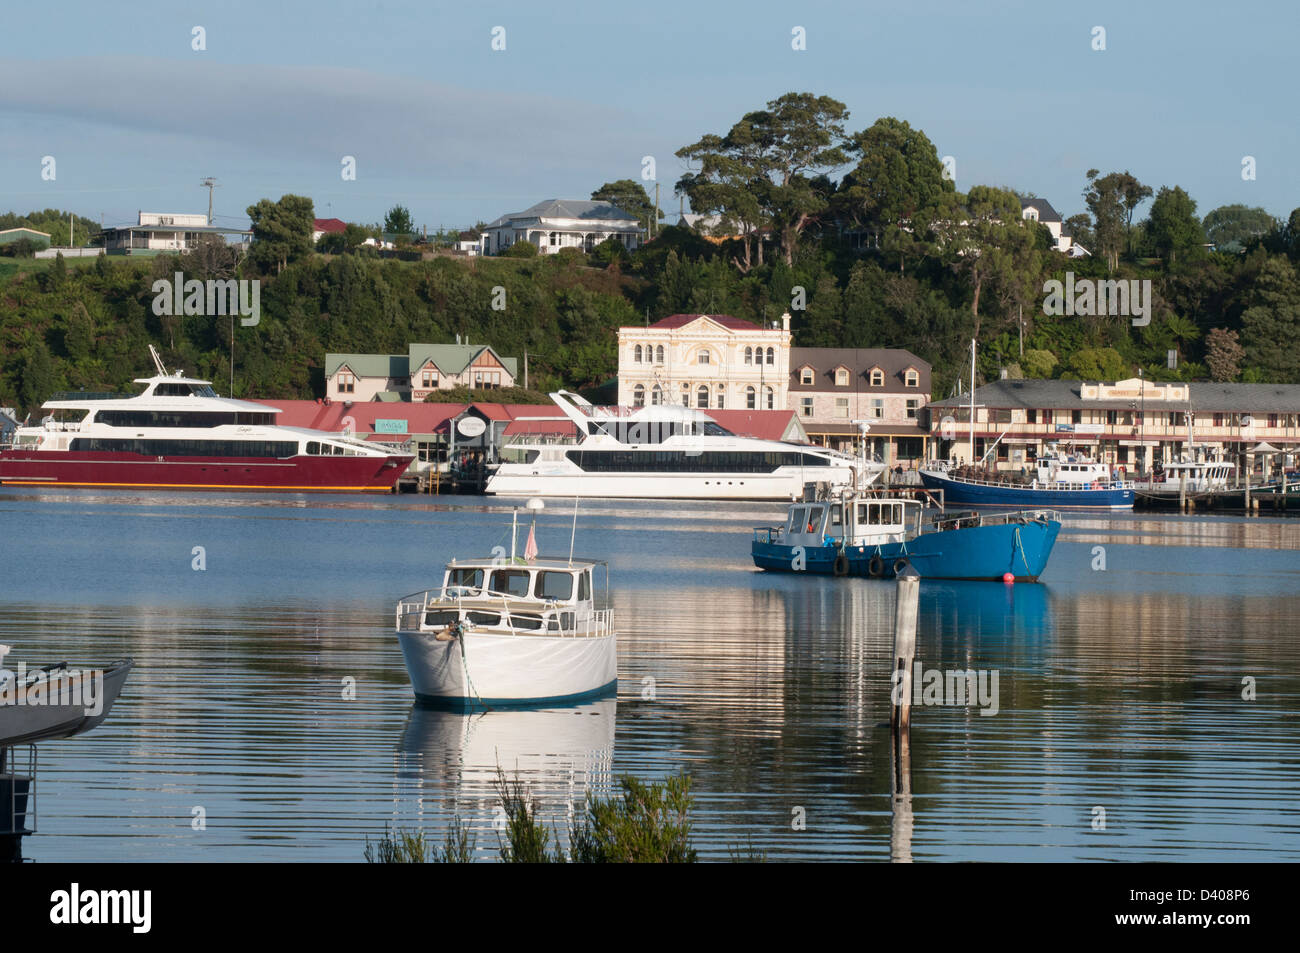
971, 553
57, 706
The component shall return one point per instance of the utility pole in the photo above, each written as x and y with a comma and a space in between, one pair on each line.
209, 183
656, 219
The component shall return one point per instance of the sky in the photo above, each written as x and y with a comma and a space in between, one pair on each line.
439, 121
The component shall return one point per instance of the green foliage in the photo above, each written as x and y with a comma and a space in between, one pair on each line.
1038, 364
650, 824
1223, 354
496, 395
521, 249
398, 221
526, 837
281, 232
1099, 364
631, 196
1232, 227
1173, 226
403, 847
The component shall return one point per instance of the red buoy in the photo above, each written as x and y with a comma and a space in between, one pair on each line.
1008, 577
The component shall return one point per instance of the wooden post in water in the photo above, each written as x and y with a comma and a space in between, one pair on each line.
905, 613
1246, 468
1182, 490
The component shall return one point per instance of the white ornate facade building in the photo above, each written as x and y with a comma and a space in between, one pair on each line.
707, 361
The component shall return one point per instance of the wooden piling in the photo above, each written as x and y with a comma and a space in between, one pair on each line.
1182, 490
905, 616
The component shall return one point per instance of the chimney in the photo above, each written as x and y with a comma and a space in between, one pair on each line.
785, 321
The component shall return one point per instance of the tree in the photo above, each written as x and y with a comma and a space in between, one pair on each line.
1173, 225
1099, 364
1038, 363
281, 232
398, 221
1080, 230
1223, 354
1231, 227
38, 376
897, 181
1105, 197
1271, 325
765, 169
521, 249
631, 196
1132, 194
979, 236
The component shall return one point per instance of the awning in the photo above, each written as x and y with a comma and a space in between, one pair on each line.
1263, 447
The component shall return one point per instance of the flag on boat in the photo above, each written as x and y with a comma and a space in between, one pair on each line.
530, 547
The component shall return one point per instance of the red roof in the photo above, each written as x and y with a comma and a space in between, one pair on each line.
763, 424
329, 225
420, 418
532, 425
726, 320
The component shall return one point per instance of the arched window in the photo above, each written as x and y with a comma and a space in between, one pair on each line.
912, 378
659, 354
636, 358
877, 377
841, 377
686, 395
657, 395
768, 398
702, 397
807, 376
771, 356
749, 355
638, 395
751, 399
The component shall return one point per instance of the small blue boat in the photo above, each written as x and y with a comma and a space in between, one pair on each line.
877, 536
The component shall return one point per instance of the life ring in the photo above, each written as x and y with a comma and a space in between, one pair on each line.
899, 565
841, 565
876, 566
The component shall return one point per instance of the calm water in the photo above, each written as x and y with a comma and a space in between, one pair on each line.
1118, 688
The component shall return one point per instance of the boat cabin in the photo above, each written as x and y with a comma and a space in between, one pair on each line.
855, 521
546, 596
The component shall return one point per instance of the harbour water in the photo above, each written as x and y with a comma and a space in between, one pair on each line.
270, 718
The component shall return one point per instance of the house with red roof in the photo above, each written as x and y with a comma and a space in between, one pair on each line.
327, 226
707, 361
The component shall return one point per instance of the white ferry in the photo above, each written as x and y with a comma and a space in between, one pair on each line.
668, 452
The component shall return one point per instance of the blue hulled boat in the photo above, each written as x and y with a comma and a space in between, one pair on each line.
1063, 482
871, 535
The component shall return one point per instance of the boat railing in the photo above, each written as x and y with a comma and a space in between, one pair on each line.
968, 519
769, 534
1057, 485
412, 609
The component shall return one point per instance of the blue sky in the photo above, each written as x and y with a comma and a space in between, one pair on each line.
440, 122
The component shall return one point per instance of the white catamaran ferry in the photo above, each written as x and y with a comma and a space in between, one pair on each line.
668, 452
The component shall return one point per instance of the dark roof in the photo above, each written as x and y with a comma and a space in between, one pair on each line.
1064, 395
859, 361
1045, 211
568, 208
726, 320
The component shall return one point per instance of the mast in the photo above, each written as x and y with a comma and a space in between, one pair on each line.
972, 401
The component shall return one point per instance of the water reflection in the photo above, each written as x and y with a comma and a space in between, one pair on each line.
447, 763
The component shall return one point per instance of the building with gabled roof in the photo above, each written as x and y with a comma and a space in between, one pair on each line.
1041, 211
555, 224
425, 369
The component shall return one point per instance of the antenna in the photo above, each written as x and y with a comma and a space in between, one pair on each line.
209, 183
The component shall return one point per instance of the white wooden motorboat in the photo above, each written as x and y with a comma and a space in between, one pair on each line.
55, 701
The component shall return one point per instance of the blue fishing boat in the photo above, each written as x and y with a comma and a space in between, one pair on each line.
862, 534
1062, 482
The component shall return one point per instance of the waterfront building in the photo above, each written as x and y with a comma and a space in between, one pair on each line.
555, 224
835, 391
705, 361
425, 369
1134, 423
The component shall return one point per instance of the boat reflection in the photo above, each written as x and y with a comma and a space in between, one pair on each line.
448, 763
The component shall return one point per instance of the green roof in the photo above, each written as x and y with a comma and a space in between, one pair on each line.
389, 396
454, 358
368, 365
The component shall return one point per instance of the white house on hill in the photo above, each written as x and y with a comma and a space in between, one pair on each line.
1041, 211
563, 223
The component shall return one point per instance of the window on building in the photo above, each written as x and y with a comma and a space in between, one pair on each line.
1272, 420
806, 375
769, 398
638, 395
702, 397
429, 379
1112, 417
659, 354
771, 356
841, 377
555, 239
1047, 416
1031, 416
749, 355
751, 399
806, 406
1076, 416
657, 395
1218, 420
912, 378
877, 407
912, 406
722, 400
841, 406
877, 377
636, 354
702, 357
686, 395
347, 383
